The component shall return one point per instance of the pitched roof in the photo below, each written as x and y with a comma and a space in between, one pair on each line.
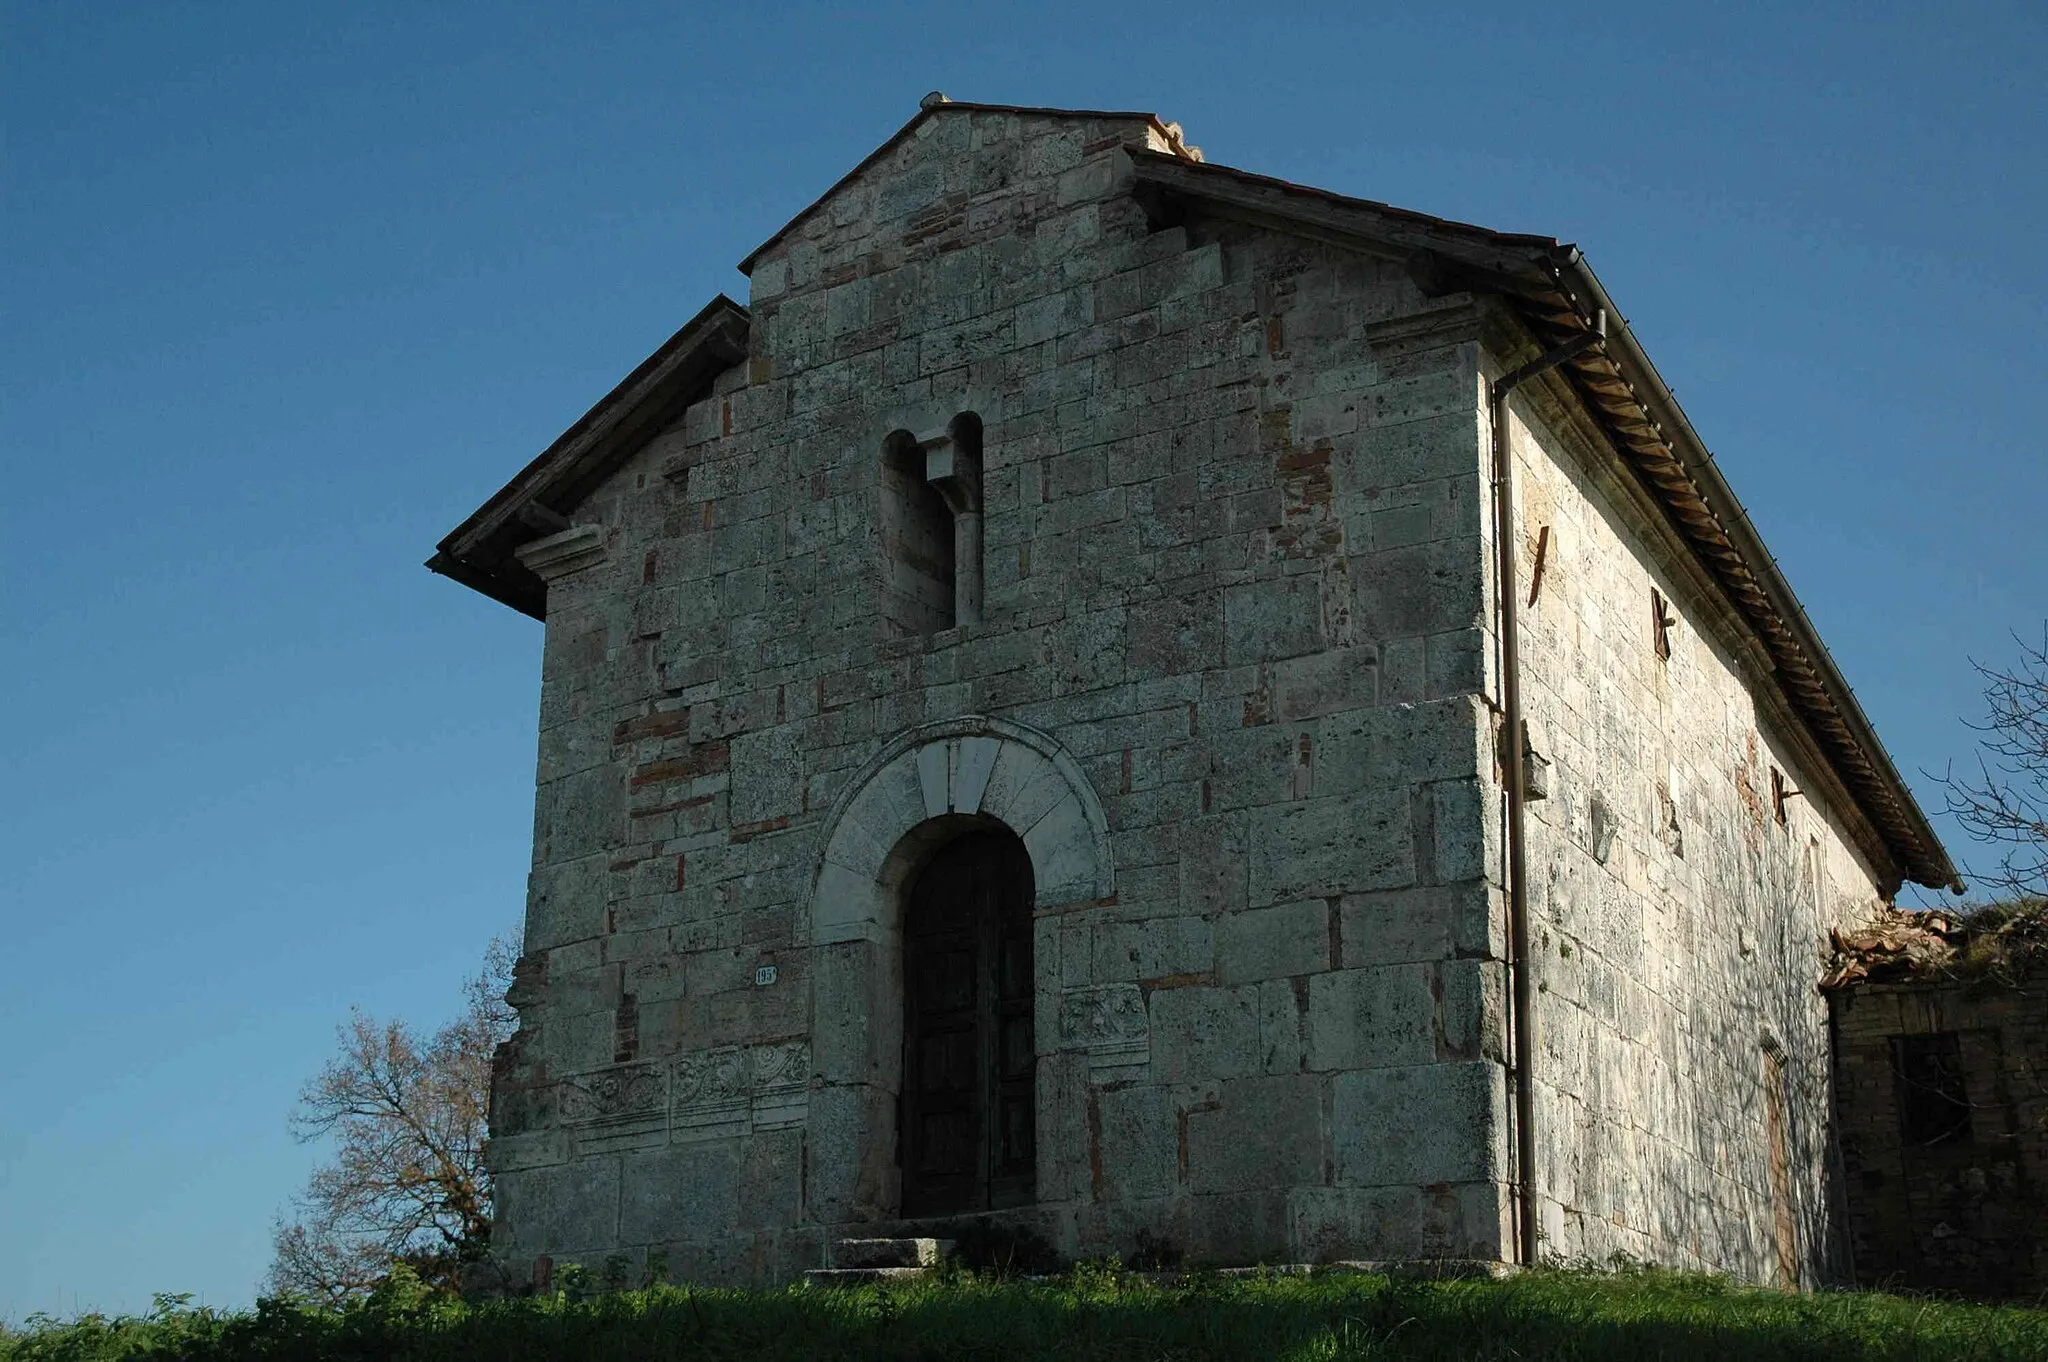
936, 105
1547, 282
478, 552
1555, 292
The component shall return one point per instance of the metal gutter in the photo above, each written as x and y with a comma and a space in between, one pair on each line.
1514, 777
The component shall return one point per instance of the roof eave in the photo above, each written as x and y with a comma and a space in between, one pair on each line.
479, 552
1541, 276
1935, 869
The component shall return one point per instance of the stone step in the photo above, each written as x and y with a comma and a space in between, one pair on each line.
862, 1276
889, 1253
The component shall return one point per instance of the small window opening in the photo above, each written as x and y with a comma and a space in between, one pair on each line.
1661, 620
1778, 795
626, 1029
917, 543
931, 527
1934, 1106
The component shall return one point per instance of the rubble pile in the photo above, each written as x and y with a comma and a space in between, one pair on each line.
2003, 942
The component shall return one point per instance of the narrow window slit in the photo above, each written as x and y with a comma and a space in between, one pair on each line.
931, 527
1661, 620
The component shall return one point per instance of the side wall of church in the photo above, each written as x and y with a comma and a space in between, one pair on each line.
1234, 567
1680, 926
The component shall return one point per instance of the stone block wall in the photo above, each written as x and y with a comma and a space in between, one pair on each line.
1962, 1212
1680, 925
1234, 582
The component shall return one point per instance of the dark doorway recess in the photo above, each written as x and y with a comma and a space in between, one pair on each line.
969, 1058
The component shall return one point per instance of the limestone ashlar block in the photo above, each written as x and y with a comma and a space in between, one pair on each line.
1372, 1018
1466, 840
1373, 1223
1418, 590
1273, 619
1421, 1124
1175, 634
771, 1178
1422, 450
1334, 681
1202, 1033
1236, 1228
1471, 1010
851, 1135
569, 1206
1259, 1132
579, 815
852, 1029
1323, 847
1396, 745
565, 902
519, 1153
1135, 1133
682, 1192
1061, 1127
1152, 948
1273, 943
1422, 923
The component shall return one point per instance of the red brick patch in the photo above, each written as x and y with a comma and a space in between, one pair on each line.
703, 760
747, 832
665, 724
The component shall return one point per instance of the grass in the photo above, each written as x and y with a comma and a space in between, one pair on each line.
1092, 1313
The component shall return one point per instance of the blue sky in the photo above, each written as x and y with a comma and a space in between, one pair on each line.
289, 289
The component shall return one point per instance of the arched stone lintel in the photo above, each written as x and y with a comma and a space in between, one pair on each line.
973, 767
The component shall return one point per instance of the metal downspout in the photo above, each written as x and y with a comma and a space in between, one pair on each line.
1524, 1006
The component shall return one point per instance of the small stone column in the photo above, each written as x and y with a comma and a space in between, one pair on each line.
955, 470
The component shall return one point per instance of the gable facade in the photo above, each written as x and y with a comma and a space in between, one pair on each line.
1145, 538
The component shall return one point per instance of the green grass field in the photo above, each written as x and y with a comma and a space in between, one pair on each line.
1093, 1313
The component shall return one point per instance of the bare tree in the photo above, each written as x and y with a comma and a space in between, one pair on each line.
2007, 803
407, 1182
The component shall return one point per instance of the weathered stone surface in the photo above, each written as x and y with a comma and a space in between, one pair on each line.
1681, 926
1320, 847
1200, 1033
1371, 1018
1233, 686
1423, 1124
569, 1206
662, 1191
1271, 943
1257, 1133
1135, 1153
1962, 1213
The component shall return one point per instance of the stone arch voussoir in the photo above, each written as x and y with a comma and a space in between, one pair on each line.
973, 766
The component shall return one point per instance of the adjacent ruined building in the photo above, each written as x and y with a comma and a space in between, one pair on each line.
1941, 1050
1025, 744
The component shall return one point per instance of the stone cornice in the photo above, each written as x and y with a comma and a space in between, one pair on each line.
576, 548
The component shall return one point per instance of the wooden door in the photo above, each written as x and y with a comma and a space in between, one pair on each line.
969, 1060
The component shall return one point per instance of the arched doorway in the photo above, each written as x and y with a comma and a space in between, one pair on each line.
919, 792
969, 1115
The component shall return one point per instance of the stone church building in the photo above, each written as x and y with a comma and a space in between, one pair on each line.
1025, 741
